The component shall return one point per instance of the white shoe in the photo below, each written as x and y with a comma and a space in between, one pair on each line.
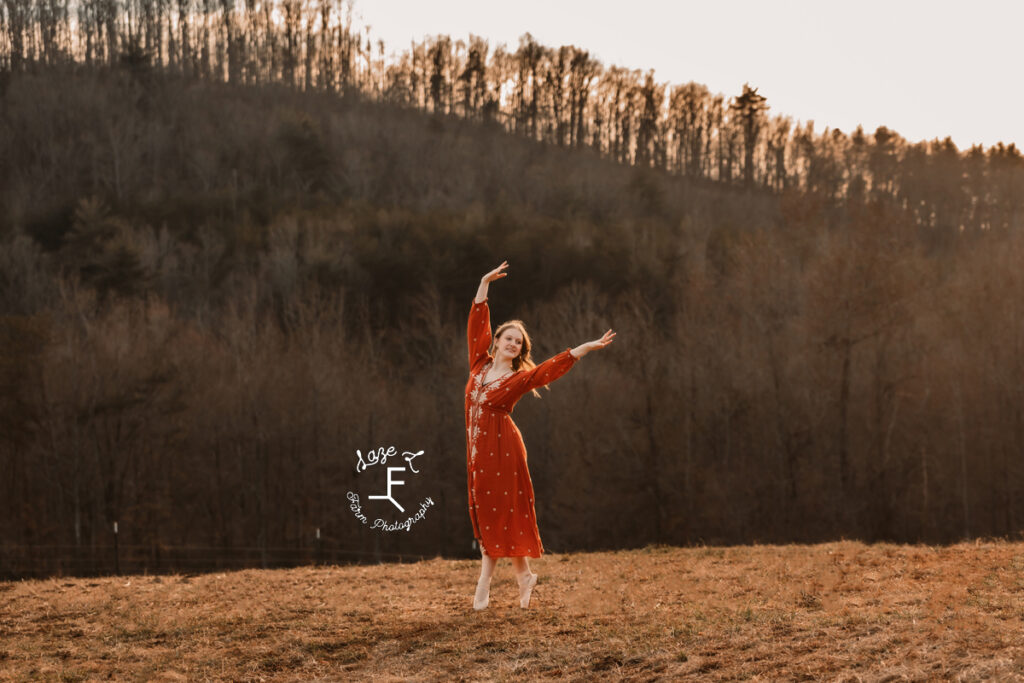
482, 597
526, 584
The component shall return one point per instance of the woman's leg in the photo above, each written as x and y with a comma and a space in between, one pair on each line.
487, 565
525, 578
483, 585
522, 565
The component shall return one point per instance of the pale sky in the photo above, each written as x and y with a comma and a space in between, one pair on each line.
925, 69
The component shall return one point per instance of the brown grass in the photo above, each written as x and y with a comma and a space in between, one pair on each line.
839, 611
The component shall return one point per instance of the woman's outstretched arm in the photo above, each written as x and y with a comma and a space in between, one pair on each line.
584, 349
559, 364
486, 280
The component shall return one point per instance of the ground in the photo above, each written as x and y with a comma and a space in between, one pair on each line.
837, 611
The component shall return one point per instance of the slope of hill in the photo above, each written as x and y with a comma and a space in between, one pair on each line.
182, 261
831, 611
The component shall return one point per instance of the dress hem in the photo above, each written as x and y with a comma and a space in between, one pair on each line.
533, 557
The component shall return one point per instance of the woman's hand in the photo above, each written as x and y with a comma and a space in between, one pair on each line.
584, 349
496, 273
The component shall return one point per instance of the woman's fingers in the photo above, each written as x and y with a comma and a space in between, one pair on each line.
606, 339
496, 273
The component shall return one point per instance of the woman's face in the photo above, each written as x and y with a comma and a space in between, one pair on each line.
509, 344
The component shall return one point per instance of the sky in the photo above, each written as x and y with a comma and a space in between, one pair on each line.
924, 69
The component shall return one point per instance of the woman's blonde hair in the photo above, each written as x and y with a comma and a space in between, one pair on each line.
523, 361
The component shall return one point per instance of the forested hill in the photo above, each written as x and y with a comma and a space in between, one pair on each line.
213, 290
371, 198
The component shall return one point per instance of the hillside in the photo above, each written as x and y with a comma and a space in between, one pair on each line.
212, 294
829, 611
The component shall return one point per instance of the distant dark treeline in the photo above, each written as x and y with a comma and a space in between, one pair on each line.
212, 293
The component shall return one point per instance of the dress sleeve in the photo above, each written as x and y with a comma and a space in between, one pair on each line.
548, 371
478, 331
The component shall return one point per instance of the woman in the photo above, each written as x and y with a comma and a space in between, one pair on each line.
501, 503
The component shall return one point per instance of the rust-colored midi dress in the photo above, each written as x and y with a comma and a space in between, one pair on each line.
501, 504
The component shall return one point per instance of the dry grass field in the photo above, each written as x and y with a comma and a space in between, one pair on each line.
838, 611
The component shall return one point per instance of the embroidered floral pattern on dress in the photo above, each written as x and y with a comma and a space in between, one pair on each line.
478, 395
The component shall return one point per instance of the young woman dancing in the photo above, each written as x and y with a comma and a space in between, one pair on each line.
501, 504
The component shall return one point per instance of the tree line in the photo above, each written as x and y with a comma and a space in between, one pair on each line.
562, 96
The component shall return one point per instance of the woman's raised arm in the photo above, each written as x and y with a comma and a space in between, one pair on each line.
478, 331
486, 280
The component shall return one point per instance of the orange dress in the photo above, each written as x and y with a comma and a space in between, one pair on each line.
500, 490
